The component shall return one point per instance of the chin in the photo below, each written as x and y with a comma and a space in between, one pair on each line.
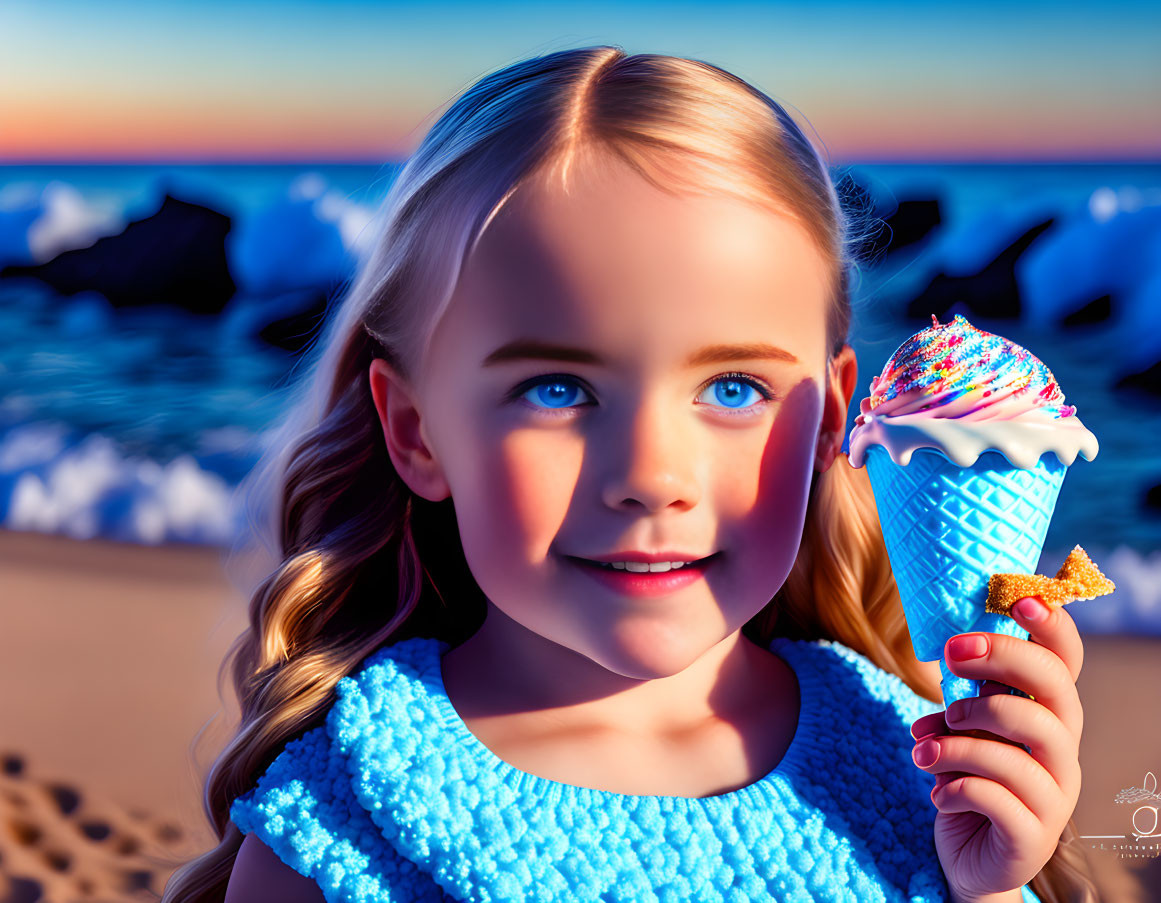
649, 654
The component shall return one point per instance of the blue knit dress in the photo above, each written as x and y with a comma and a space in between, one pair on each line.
394, 799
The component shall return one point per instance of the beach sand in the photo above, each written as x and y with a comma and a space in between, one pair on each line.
108, 662
109, 655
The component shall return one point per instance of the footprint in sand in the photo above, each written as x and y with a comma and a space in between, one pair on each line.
58, 845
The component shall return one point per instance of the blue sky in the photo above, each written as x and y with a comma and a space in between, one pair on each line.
360, 79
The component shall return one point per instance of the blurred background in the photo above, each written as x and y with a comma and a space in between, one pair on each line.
184, 186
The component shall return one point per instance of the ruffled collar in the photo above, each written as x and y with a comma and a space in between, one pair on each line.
449, 804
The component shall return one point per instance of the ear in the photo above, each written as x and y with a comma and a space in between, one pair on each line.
842, 372
402, 422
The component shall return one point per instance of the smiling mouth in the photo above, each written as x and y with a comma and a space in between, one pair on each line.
636, 567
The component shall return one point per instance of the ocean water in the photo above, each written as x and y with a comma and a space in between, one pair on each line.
137, 425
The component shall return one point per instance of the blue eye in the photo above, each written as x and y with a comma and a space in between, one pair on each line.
554, 392
560, 393
731, 389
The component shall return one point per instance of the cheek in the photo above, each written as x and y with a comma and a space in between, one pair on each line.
519, 496
768, 497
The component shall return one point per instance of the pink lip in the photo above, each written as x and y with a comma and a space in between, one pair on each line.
645, 584
648, 557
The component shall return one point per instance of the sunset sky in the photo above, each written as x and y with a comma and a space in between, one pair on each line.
301, 80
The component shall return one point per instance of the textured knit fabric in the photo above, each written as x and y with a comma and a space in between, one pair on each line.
394, 799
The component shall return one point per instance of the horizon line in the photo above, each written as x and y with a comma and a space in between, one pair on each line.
357, 161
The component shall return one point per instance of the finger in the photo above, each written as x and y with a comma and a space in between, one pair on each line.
1030, 667
1003, 763
946, 777
936, 722
987, 688
1053, 628
1010, 819
1029, 723
929, 724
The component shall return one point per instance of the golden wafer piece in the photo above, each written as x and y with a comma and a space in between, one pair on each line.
1078, 578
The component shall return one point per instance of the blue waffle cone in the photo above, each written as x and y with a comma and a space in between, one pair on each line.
948, 529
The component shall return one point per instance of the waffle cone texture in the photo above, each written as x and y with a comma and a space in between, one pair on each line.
948, 529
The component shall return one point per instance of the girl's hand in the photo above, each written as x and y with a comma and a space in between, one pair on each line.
1002, 809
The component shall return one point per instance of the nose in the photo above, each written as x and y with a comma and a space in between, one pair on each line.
649, 461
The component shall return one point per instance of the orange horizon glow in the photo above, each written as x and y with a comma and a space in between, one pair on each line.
158, 130
142, 130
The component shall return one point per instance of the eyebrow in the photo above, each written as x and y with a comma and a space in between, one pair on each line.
532, 349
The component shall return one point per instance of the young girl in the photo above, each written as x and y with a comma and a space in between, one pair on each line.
576, 596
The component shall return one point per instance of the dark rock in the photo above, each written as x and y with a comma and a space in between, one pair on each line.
912, 221
866, 228
1148, 380
1097, 311
297, 330
878, 231
992, 292
177, 257
1153, 497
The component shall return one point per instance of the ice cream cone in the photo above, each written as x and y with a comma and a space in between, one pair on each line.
948, 529
966, 439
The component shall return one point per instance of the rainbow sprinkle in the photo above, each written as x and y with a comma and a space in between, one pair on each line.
951, 359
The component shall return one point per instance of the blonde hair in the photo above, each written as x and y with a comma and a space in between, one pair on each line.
345, 541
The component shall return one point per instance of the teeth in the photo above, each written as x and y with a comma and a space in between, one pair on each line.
641, 567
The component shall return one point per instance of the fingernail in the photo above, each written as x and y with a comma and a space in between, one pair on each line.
969, 646
956, 712
925, 753
1031, 609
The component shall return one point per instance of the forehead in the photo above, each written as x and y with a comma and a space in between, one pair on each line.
610, 258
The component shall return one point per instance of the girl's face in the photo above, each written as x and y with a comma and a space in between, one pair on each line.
624, 370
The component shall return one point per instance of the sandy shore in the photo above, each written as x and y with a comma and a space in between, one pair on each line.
108, 662
108, 659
